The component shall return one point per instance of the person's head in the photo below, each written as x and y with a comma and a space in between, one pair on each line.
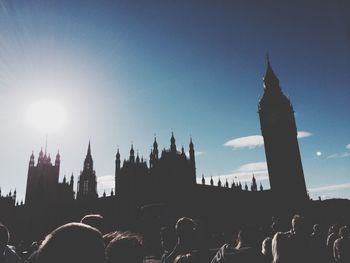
185, 229
344, 232
96, 221
248, 236
298, 224
72, 243
4, 238
125, 248
280, 248
266, 247
316, 228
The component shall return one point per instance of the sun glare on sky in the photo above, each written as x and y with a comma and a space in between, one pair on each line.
46, 116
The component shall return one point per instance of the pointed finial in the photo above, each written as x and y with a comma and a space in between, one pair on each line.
89, 148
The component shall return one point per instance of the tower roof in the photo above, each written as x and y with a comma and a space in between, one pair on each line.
271, 82
89, 149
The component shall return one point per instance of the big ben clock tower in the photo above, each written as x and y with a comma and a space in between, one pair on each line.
281, 144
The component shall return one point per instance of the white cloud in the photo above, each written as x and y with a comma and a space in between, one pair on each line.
250, 142
329, 188
347, 146
196, 153
105, 183
243, 173
339, 155
304, 134
254, 141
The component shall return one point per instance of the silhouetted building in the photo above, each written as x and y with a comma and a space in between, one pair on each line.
281, 144
136, 181
43, 187
87, 184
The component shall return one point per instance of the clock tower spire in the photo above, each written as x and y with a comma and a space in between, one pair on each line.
279, 131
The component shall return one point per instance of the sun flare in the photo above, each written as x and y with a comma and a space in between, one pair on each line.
46, 116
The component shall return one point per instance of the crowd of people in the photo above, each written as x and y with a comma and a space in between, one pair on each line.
85, 242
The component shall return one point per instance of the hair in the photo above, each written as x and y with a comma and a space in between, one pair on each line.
94, 220
185, 227
280, 248
125, 247
344, 231
266, 246
187, 258
298, 222
72, 243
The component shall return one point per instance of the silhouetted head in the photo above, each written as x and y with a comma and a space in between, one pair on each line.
125, 248
298, 224
334, 229
344, 232
281, 249
72, 243
96, 221
248, 237
185, 229
316, 228
266, 247
4, 238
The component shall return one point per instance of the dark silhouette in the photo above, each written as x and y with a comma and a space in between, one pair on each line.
341, 247
7, 253
247, 248
332, 236
281, 249
279, 130
125, 247
96, 221
299, 240
72, 243
266, 249
87, 184
186, 236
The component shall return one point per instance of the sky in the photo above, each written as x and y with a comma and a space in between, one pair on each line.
122, 72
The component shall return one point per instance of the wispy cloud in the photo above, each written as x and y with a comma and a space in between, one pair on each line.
330, 188
254, 141
250, 142
243, 173
341, 155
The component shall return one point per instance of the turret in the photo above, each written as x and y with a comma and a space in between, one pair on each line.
71, 183
137, 158
172, 143
132, 154
211, 181
155, 149
219, 183
203, 180
31, 160
58, 159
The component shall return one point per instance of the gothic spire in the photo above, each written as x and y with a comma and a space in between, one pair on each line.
271, 82
89, 149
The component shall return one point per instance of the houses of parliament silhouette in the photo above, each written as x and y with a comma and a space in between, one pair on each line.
168, 181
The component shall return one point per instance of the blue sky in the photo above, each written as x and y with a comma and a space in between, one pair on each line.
126, 70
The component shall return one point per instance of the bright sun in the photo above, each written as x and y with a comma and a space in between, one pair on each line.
46, 116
